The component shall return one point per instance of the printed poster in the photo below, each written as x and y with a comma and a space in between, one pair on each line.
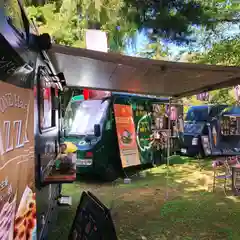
17, 169
126, 135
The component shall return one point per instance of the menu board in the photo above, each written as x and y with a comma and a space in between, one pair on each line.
230, 126
126, 135
92, 221
160, 117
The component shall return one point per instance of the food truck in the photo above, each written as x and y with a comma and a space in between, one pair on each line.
29, 129
223, 138
118, 130
196, 125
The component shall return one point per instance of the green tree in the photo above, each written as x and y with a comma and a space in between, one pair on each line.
155, 50
62, 24
225, 52
169, 19
222, 96
66, 21
173, 19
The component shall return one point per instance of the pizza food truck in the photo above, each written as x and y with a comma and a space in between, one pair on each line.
29, 129
32, 166
118, 130
196, 125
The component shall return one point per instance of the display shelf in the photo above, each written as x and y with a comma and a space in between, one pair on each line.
60, 170
230, 126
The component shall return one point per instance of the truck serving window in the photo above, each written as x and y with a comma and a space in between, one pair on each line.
47, 114
81, 116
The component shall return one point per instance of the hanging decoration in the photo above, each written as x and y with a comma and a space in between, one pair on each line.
237, 92
203, 96
173, 112
167, 109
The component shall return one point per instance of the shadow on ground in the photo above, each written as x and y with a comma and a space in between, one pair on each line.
168, 203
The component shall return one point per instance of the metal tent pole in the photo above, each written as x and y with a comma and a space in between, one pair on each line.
168, 148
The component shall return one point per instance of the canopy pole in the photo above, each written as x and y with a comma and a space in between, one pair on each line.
168, 147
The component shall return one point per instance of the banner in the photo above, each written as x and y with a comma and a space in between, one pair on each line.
17, 164
126, 135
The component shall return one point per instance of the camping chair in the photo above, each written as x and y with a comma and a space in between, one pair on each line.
222, 171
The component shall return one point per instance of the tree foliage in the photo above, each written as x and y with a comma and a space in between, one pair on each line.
66, 21
225, 52
174, 20
180, 21
155, 50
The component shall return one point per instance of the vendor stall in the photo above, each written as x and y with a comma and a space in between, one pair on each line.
224, 134
83, 68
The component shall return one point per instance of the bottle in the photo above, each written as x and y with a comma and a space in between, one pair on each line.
214, 133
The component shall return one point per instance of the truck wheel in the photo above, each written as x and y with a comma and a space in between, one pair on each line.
110, 174
201, 154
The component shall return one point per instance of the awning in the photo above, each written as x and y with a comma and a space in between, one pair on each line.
115, 72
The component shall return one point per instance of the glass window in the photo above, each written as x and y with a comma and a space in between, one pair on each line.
216, 110
13, 14
193, 128
81, 116
47, 114
197, 114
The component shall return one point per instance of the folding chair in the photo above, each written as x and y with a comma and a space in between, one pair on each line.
235, 179
222, 171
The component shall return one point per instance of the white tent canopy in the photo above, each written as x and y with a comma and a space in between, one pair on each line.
115, 72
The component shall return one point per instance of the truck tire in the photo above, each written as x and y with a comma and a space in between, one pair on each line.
110, 174
201, 153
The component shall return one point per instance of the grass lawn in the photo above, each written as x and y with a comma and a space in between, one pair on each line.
148, 208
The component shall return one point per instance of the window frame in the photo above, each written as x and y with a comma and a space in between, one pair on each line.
41, 103
22, 33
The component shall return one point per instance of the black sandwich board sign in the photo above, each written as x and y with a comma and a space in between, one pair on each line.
93, 220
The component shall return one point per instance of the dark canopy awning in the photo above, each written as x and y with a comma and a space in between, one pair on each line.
115, 72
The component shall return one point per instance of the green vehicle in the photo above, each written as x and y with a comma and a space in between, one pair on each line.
92, 125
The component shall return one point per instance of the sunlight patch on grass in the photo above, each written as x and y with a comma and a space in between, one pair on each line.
141, 211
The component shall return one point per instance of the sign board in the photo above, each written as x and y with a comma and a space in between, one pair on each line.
96, 40
17, 163
126, 135
92, 221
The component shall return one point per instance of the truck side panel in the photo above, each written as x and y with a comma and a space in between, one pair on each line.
21, 143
